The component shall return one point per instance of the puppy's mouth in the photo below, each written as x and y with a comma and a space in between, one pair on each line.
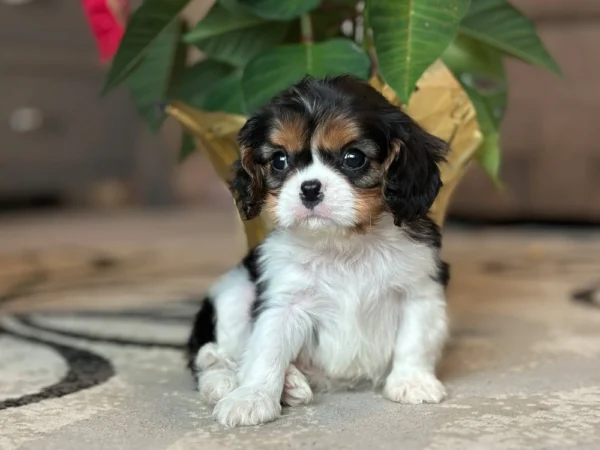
318, 218
320, 211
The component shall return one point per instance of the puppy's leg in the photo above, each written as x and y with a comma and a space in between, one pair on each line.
235, 294
296, 390
419, 343
278, 335
216, 362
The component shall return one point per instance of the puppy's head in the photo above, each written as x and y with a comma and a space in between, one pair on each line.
335, 154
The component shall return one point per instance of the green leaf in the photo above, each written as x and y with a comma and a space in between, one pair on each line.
480, 71
151, 79
468, 55
221, 20
479, 67
409, 35
197, 81
279, 9
188, 146
211, 86
501, 25
231, 5
279, 68
226, 95
145, 26
235, 37
489, 156
181, 56
486, 107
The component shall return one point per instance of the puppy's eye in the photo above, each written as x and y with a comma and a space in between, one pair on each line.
279, 161
354, 159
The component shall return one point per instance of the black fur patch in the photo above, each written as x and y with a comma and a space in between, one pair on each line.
250, 262
427, 232
443, 275
413, 178
203, 331
424, 231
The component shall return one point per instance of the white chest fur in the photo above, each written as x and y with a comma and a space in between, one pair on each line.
352, 288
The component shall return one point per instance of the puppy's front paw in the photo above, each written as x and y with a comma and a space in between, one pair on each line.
216, 384
296, 390
415, 388
247, 406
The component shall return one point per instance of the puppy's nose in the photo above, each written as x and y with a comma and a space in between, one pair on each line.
311, 193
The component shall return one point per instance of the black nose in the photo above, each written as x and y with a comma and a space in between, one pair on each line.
311, 193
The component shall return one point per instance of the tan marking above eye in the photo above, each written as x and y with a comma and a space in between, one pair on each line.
334, 133
289, 133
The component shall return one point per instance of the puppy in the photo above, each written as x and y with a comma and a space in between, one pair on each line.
349, 287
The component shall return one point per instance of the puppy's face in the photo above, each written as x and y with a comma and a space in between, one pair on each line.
335, 154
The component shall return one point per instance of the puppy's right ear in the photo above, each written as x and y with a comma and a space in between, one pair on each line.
248, 181
247, 186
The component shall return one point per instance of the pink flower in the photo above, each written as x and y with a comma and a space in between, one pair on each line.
107, 19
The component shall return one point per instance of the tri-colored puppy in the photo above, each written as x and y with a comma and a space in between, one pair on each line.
349, 287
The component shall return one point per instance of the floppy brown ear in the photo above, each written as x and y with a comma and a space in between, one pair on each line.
411, 179
247, 185
248, 178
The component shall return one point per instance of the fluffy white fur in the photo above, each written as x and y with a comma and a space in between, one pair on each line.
339, 308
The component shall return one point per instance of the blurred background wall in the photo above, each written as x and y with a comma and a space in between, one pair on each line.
61, 143
551, 150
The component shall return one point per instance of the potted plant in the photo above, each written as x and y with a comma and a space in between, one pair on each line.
441, 60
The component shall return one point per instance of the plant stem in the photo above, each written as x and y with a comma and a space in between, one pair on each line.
306, 29
366, 38
325, 6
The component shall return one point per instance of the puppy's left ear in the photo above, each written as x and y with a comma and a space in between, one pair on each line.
411, 179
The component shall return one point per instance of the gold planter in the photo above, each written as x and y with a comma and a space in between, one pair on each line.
439, 105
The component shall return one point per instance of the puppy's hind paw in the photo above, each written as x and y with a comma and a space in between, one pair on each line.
296, 390
208, 357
